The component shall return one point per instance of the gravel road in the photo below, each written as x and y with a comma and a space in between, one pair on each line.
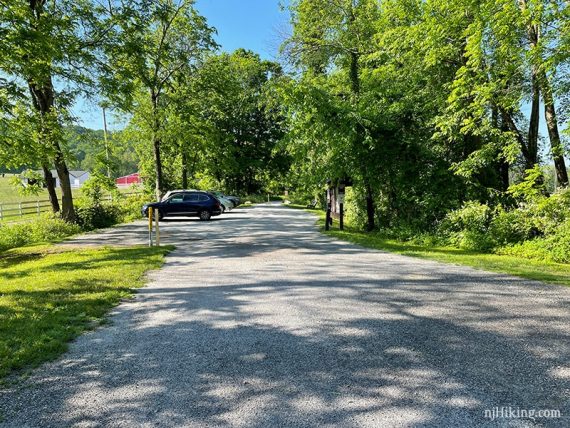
258, 320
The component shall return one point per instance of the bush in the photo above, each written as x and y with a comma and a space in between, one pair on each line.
468, 227
46, 228
130, 206
513, 226
92, 216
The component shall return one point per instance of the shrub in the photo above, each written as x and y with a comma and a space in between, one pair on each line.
130, 206
507, 227
95, 216
558, 244
468, 227
46, 228
52, 228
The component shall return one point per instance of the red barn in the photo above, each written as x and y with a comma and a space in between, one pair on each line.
129, 180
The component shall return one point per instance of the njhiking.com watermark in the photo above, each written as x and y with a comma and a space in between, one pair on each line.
508, 412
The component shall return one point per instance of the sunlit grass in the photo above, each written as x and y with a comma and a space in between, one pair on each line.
49, 295
540, 270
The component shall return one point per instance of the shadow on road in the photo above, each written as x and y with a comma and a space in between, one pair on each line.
314, 332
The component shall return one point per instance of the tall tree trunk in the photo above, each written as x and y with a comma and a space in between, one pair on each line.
43, 95
68, 210
50, 185
539, 75
184, 169
532, 142
553, 133
510, 125
43, 101
156, 143
359, 141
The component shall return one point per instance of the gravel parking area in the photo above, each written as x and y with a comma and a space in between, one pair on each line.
258, 320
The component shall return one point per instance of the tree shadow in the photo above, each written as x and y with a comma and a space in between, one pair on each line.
273, 324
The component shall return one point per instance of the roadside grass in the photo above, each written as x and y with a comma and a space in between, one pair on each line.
50, 295
535, 269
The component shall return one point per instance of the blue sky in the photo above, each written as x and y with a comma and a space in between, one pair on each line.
257, 25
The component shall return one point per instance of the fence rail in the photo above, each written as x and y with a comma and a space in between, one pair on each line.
28, 208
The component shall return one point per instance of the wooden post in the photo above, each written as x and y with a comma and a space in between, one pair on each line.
20, 208
1, 214
38, 207
157, 232
328, 216
150, 226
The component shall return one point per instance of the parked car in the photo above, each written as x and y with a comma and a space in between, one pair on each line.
227, 204
234, 199
172, 192
186, 204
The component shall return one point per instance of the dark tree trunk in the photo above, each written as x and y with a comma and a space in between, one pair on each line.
50, 185
370, 209
359, 141
509, 124
540, 77
43, 101
532, 143
68, 210
42, 92
504, 174
553, 133
184, 169
156, 143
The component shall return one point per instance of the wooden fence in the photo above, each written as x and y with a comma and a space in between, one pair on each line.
10, 211
21, 209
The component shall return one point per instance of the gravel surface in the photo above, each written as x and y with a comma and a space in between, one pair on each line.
258, 320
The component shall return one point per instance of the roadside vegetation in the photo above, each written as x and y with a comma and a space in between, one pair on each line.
41, 309
433, 111
531, 265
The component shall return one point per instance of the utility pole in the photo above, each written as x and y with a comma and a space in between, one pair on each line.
106, 142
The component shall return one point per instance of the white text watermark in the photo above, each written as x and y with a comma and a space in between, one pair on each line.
508, 412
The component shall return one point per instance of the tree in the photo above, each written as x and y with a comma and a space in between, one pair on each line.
45, 44
331, 36
155, 42
231, 105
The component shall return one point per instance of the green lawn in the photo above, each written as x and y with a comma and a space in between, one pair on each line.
50, 295
539, 270
9, 195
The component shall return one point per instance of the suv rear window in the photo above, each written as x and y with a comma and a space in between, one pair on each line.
191, 197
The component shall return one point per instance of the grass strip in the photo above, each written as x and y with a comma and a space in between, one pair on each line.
535, 269
50, 295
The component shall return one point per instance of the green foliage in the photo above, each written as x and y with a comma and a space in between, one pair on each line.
92, 216
233, 103
28, 183
98, 186
531, 187
468, 227
130, 206
47, 228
